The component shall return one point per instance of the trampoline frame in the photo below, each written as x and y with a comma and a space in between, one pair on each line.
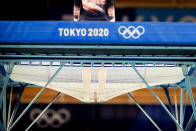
42, 43
122, 61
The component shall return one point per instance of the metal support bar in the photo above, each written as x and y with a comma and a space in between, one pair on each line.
30, 104
169, 100
16, 105
32, 46
10, 106
3, 93
43, 111
176, 105
161, 103
11, 65
188, 84
4, 111
190, 123
133, 99
181, 106
118, 59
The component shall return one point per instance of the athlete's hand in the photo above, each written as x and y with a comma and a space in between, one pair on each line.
76, 19
112, 20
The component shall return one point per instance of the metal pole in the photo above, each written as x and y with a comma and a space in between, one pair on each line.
4, 111
133, 66
169, 100
188, 84
43, 111
3, 93
181, 106
190, 123
10, 68
133, 99
176, 106
30, 104
10, 106
16, 106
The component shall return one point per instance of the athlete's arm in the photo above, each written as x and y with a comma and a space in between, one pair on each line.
111, 10
76, 12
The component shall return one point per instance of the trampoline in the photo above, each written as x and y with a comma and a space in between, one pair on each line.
97, 61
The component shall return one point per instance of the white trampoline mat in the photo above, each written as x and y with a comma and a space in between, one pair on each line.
95, 84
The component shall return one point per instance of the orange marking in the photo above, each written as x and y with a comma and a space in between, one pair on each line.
95, 96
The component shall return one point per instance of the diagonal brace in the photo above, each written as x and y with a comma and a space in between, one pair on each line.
53, 100
188, 84
161, 103
31, 103
3, 93
133, 99
169, 100
16, 105
190, 123
181, 106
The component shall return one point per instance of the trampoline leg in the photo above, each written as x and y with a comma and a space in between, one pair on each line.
161, 103
3, 92
181, 106
31, 103
10, 105
188, 85
169, 100
4, 111
43, 111
133, 99
16, 106
190, 123
176, 106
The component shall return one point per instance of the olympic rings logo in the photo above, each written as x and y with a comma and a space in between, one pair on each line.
51, 117
131, 31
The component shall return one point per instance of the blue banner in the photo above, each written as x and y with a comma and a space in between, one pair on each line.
117, 33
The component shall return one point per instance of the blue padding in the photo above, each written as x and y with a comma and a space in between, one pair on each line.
2, 70
60, 32
192, 75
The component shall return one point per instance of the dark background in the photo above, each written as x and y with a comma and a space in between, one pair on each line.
44, 10
63, 10
89, 117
